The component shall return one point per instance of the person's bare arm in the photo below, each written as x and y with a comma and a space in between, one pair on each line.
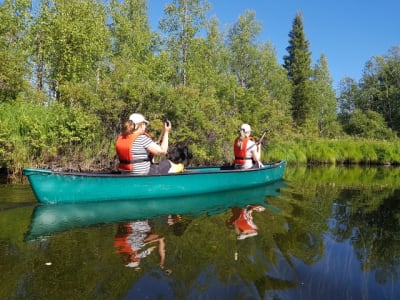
256, 153
161, 149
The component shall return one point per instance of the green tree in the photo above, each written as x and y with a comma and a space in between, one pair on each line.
368, 124
208, 62
380, 87
72, 41
349, 93
323, 112
243, 47
14, 48
244, 57
298, 65
184, 19
130, 29
132, 61
266, 100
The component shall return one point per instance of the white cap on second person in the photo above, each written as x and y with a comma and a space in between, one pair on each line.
245, 127
137, 118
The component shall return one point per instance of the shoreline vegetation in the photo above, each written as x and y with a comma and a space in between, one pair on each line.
340, 152
71, 73
65, 138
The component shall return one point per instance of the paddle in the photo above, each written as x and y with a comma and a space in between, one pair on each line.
262, 136
259, 142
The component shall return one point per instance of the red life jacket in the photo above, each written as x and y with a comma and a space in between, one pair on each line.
121, 241
123, 147
245, 221
240, 152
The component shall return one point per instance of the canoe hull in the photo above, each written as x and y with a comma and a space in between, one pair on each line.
65, 187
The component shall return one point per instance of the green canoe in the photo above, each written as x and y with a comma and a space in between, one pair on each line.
74, 187
48, 220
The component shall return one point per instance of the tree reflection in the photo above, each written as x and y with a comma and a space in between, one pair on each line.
375, 234
367, 217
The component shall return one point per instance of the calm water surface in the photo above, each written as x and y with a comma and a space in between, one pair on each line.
323, 233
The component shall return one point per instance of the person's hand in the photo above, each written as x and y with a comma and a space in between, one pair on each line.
167, 125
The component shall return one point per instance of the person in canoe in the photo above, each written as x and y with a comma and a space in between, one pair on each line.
136, 149
247, 151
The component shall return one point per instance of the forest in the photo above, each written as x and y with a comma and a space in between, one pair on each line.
71, 73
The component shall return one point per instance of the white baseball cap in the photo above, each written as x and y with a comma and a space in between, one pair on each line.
138, 118
245, 127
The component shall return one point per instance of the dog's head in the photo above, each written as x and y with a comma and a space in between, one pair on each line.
179, 154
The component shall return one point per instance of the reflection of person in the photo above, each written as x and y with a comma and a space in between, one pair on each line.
135, 148
247, 152
135, 241
242, 221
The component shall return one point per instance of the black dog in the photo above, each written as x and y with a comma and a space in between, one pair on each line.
179, 154
177, 158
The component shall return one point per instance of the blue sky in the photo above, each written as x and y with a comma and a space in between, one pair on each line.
348, 32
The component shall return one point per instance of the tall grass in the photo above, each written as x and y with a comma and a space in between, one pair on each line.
343, 151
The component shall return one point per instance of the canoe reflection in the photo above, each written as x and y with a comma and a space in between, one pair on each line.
47, 220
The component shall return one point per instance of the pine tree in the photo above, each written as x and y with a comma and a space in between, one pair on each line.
298, 65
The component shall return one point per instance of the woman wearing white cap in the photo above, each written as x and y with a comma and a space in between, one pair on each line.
135, 148
247, 152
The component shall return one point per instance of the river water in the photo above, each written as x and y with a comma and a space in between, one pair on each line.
322, 233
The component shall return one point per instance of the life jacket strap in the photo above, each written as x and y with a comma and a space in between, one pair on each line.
242, 158
127, 162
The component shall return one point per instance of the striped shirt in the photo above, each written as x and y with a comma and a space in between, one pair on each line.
139, 151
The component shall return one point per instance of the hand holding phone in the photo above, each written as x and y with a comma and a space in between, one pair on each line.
167, 124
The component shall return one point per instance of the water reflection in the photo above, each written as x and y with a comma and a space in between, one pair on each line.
136, 240
50, 219
242, 221
332, 233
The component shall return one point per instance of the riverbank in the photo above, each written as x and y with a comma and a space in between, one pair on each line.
296, 152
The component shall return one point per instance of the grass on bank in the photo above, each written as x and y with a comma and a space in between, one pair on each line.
341, 151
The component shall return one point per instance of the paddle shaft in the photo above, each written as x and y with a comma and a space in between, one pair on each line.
262, 137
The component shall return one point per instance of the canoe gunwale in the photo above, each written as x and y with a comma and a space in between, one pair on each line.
189, 171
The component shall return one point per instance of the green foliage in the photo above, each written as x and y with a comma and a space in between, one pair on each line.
14, 48
35, 134
184, 19
242, 46
298, 65
368, 124
72, 41
323, 111
380, 87
378, 91
130, 29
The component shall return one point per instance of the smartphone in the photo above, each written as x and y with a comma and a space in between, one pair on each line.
167, 122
